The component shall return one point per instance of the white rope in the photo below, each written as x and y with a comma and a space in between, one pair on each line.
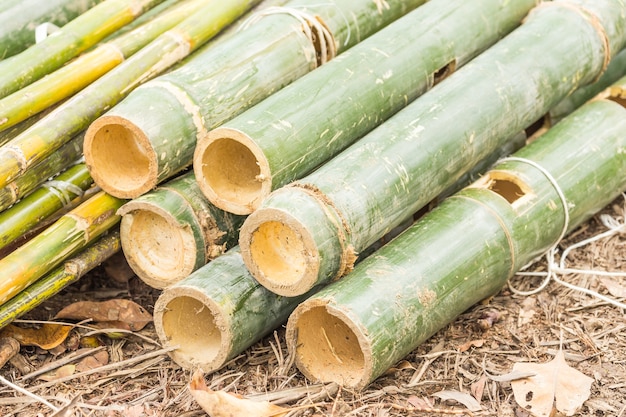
554, 269
62, 190
327, 50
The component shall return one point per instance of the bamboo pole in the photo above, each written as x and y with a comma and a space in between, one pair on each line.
170, 232
64, 157
277, 141
88, 67
309, 232
272, 49
74, 115
216, 313
75, 37
44, 202
69, 272
20, 18
66, 236
461, 252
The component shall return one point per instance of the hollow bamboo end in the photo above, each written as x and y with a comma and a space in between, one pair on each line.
232, 171
279, 252
157, 248
188, 320
328, 346
120, 158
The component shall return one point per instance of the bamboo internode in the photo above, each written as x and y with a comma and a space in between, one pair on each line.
239, 163
272, 49
463, 251
174, 230
308, 233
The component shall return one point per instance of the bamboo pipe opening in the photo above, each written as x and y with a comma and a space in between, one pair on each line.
187, 319
120, 157
506, 185
158, 250
232, 171
328, 345
279, 252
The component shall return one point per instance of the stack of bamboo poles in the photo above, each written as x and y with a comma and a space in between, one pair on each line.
310, 232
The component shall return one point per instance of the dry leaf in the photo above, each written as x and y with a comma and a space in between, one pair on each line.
223, 404
9, 347
511, 376
478, 388
472, 343
120, 313
420, 403
555, 384
48, 336
466, 399
94, 361
58, 373
615, 289
527, 311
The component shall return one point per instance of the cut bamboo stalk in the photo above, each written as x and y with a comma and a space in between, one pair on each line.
170, 232
216, 313
271, 50
64, 157
308, 233
44, 202
461, 252
71, 271
66, 236
297, 129
74, 115
20, 18
75, 37
88, 67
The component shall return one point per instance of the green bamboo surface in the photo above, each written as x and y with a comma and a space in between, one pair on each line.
295, 130
170, 232
358, 196
65, 237
88, 67
69, 272
463, 251
64, 157
75, 114
42, 203
218, 84
20, 18
216, 313
75, 37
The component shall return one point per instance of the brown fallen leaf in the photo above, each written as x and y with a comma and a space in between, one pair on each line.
48, 336
223, 404
555, 385
9, 347
478, 388
58, 373
615, 289
119, 313
461, 397
94, 361
472, 343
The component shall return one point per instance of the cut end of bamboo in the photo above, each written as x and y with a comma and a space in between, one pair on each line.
329, 347
120, 157
279, 252
232, 171
158, 249
187, 320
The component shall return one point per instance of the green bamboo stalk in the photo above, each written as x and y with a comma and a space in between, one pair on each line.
75, 37
615, 71
170, 232
20, 18
66, 236
74, 115
223, 81
358, 196
461, 252
88, 67
65, 156
277, 141
69, 272
216, 313
41, 204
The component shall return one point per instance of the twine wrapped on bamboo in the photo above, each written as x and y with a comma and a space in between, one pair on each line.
309, 232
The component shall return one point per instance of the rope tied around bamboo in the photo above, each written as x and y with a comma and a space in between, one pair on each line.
312, 26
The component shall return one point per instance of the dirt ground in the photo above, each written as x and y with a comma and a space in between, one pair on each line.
465, 356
